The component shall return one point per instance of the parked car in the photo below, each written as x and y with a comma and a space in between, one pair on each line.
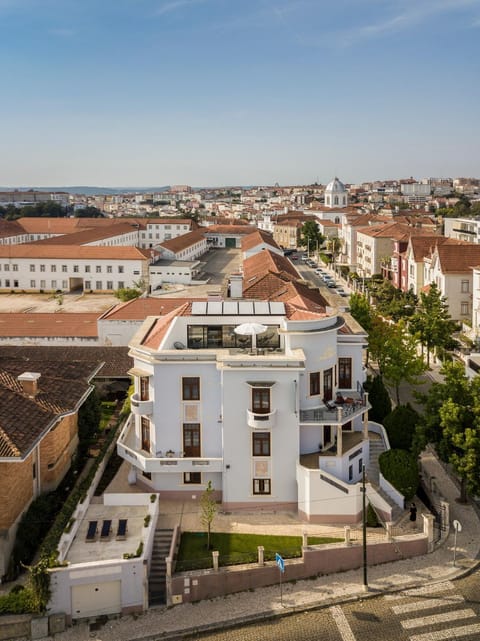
331, 284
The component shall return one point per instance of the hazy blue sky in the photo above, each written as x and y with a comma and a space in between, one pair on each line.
221, 92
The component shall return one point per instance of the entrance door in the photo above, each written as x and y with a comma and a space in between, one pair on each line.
191, 439
327, 434
230, 242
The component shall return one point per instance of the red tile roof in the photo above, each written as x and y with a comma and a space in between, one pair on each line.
49, 325
458, 259
258, 237
183, 242
86, 236
266, 261
87, 252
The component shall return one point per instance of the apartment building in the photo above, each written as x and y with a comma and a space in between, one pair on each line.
253, 414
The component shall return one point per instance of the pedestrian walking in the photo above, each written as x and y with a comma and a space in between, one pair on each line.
413, 513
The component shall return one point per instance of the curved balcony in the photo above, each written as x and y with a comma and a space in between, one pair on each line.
140, 408
261, 421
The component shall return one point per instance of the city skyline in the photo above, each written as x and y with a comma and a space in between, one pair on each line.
210, 92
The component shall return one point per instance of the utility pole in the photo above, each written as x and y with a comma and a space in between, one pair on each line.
364, 524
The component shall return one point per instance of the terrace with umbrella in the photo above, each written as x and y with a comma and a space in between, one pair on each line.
253, 330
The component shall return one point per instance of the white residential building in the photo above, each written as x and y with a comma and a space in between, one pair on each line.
467, 229
259, 422
34, 267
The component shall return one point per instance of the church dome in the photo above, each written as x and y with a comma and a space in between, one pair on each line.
336, 186
336, 194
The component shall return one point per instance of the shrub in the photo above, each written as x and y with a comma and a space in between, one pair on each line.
400, 425
17, 601
146, 520
379, 399
401, 470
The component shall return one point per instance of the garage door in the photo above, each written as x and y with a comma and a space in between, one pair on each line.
230, 242
94, 599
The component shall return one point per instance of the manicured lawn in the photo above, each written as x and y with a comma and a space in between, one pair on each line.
238, 548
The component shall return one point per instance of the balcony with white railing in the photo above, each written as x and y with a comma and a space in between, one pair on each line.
162, 461
140, 407
331, 413
261, 421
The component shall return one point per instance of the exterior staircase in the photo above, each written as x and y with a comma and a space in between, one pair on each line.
377, 446
156, 580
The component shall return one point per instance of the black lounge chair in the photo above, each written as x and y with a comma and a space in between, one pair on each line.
122, 529
106, 529
92, 531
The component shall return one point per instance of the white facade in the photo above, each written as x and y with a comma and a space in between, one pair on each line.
173, 271
190, 250
54, 268
255, 422
157, 232
455, 287
467, 229
336, 194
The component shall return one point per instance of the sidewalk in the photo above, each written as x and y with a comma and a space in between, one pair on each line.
171, 623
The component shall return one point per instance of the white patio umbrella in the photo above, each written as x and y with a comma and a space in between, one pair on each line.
251, 329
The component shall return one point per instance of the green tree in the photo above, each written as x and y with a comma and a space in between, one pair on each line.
451, 421
208, 508
431, 322
379, 399
334, 246
400, 425
310, 236
88, 421
89, 212
361, 310
396, 354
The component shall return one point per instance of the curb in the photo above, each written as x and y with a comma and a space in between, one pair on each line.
268, 615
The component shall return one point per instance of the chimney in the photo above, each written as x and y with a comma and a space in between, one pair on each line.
29, 382
236, 286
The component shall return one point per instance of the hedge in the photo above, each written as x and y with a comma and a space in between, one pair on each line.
401, 470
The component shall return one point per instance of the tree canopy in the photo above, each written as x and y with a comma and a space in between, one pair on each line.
310, 236
396, 354
451, 421
431, 322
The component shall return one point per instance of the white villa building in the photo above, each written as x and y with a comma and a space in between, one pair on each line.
260, 422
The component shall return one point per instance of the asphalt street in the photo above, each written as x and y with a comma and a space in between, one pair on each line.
443, 611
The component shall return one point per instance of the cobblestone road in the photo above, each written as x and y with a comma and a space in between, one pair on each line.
441, 612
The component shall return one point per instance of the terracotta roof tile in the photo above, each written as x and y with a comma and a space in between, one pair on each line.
115, 361
230, 229
257, 238
160, 327
184, 241
266, 261
86, 236
24, 420
49, 325
87, 252
457, 259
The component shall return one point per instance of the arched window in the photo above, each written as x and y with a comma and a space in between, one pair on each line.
336, 200
344, 200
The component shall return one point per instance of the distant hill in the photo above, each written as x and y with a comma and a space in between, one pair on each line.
91, 191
